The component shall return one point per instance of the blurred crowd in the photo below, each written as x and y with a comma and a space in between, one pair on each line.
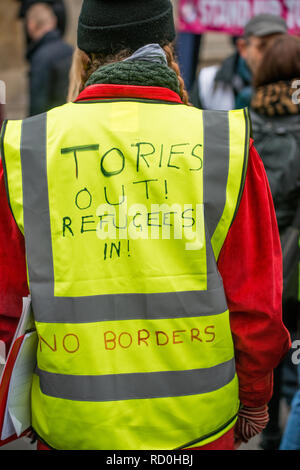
263, 74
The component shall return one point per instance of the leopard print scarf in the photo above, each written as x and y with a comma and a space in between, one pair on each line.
277, 99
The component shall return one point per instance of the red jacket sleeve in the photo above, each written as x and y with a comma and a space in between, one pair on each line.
13, 279
250, 264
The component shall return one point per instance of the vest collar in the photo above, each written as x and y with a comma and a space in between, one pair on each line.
104, 91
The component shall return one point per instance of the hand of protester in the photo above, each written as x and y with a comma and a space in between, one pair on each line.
30, 435
250, 422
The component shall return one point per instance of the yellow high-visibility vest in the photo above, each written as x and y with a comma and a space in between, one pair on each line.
125, 206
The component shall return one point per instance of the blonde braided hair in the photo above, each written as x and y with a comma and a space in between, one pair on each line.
173, 64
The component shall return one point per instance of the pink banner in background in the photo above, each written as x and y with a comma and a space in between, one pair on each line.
230, 16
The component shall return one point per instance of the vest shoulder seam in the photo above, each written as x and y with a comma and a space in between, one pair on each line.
118, 100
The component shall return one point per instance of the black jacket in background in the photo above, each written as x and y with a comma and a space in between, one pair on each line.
50, 61
277, 140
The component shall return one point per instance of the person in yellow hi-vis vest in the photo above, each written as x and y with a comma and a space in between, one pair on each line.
152, 251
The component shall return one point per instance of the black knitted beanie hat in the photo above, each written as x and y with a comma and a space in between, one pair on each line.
108, 26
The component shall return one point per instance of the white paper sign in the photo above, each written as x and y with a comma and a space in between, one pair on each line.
18, 409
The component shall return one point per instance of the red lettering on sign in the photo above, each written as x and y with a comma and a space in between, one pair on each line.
175, 335
54, 348
112, 340
141, 339
130, 340
77, 343
210, 333
195, 334
158, 334
126, 340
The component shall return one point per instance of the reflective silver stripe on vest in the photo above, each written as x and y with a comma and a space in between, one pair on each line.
118, 387
37, 229
128, 306
215, 169
50, 309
